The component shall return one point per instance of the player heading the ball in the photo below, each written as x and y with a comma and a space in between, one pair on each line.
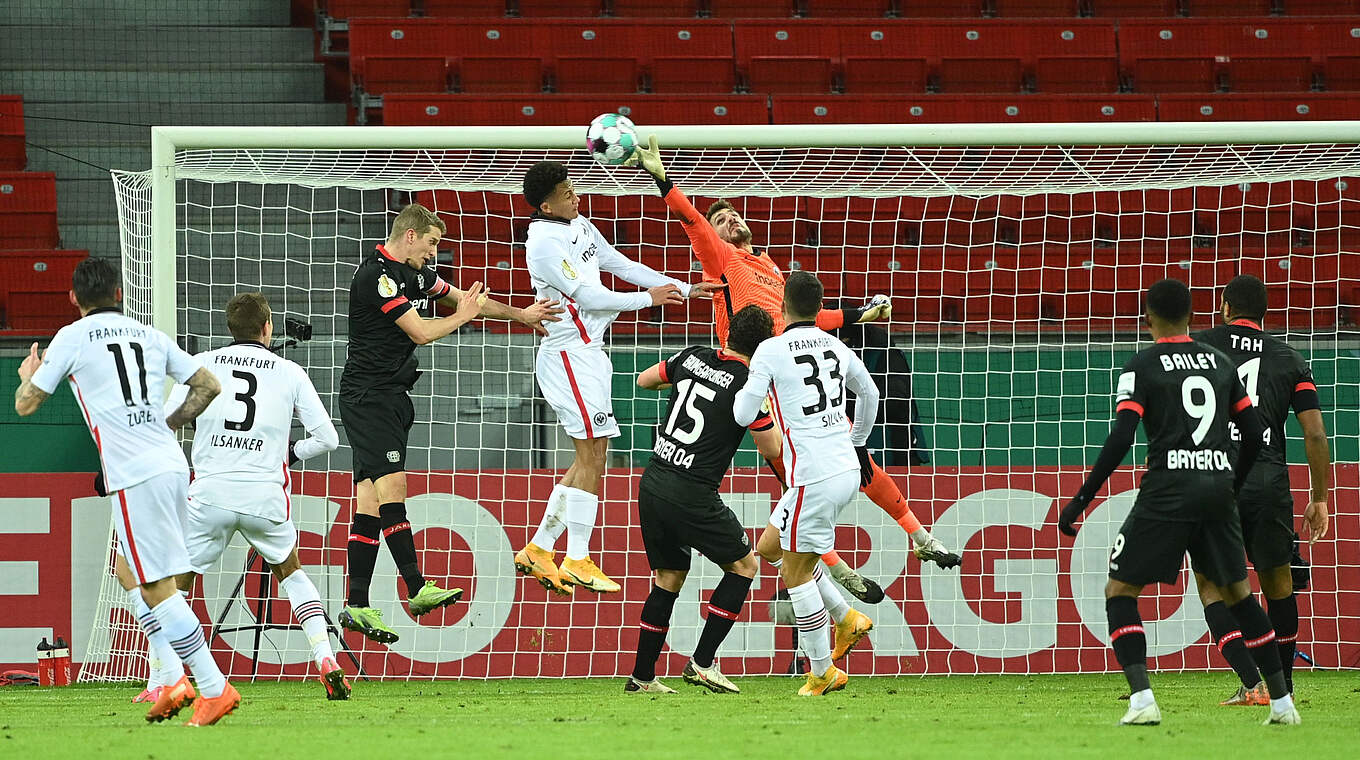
565, 255
1184, 393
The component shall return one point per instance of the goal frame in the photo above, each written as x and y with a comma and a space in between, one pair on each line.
166, 141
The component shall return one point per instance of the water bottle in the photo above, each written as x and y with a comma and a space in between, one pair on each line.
46, 663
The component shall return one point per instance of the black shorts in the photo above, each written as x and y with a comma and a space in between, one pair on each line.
1267, 509
1150, 550
678, 514
377, 423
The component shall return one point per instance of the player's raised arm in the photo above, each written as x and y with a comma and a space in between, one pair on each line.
550, 260
644, 276
542, 310
423, 331
711, 249
321, 434
35, 384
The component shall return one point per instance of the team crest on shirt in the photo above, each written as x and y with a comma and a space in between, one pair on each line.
568, 269
386, 287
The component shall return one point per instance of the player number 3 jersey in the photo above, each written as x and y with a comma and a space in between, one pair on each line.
117, 368
240, 449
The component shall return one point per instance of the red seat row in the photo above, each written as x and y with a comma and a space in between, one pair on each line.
34, 285
344, 9
13, 154
410, 109
819, 56
28, 210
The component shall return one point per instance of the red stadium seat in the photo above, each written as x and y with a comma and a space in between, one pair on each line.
28, 210
548, 109
1270, 74
680, 75
1131, 8
1342, 73
464, 8
869, 109
34, 287
786, 56
654, 8
596, 75
961, 75
1175, 75
560, 8
688, 56
940, 8
382, 75
1077, 75
357, 8
899, 76
1300, 106
846, 8
13, 154
1322, 7
488, 75
1037, 8
1212, 8
751, 8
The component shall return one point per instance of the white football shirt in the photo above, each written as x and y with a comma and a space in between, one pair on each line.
117, 368
240, 449
805, 373
565, 259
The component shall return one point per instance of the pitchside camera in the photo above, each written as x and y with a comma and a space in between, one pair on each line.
297, 332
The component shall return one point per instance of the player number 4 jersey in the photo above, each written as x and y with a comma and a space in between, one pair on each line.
117, 368
806, 372
240, 450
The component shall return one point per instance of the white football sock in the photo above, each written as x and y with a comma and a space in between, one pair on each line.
832, 597
1140, 699
185, 634
582, 507
552, 526
166, 669
307, 609
812, 619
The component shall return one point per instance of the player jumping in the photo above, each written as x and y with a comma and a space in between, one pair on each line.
805, 373
722, 242
117, 369
241, 456
566, 254
1184, 393
1276, 377
678, 503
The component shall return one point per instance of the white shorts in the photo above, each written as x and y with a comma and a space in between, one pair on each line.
806, 515
578, 384
147, 519
208, 530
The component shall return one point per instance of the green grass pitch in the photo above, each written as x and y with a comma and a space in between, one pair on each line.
994, 717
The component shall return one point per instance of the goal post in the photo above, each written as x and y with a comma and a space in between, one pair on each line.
1016, 256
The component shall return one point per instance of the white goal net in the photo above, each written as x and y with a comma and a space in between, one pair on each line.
1015, 255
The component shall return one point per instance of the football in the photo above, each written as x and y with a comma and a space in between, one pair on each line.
611, 138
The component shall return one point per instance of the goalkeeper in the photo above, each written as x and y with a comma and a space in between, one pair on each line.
722, 242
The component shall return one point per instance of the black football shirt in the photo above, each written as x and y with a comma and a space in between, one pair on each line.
1276, 377
380, 355
697, 435
1186, 393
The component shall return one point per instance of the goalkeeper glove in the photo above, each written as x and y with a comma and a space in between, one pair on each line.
1072, 511
649, 159
866, 465
878, 308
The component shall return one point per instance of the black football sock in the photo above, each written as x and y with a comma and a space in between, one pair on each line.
653, 623
724, 605
1284, 616
1260, 640
1128, 640
400, 542
362, 551
1228, 637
